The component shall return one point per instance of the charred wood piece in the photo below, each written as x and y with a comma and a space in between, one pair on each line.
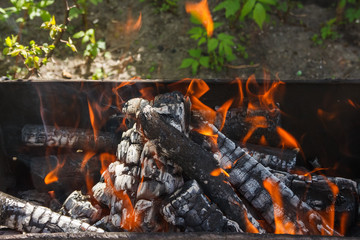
71, 175
315, 190
274, 158
196, 164
239, 122
247, 176
26, 217
190, 210
78, 206
49, 136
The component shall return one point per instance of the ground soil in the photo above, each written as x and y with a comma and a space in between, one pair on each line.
284, 47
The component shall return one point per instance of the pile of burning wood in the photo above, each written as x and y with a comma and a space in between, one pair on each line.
175, 171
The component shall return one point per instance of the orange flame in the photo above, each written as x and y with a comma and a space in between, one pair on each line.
343, 223
52, 176
129, 219
329, 214
256, 122
222, 111
326, 115
263, 141
106, 159
287, 140
201, 11
219, 171
241, 93
354, 105
281, 226
132, 26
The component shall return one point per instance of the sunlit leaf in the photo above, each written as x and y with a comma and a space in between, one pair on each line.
259, 14
186, 62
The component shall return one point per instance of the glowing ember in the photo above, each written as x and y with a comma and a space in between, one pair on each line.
202, 13
219, 171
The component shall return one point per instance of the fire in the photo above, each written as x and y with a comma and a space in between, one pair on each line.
201, 11
129, 219
106, 159
52, 176
132, 25
281, 225
219, 171
256, 122
222, 111
287, 140
241, 92
329, 215
354, 105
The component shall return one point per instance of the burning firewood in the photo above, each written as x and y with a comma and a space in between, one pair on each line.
26, 217
196, 164
316, 191
79, 207
38, 135
189, 209
135, 183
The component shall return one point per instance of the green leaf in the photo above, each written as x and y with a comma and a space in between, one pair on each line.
194, 20
201, 41
196, 53
269, 2
230, 6
212, 44
186, 62
79, 34
74, 13
45, 15
248, 6
194, 67
204, 61
259, 14
224, 37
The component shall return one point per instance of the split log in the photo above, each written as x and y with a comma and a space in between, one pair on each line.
49, 136
78, 206
190, 210
274, 158
196, 164
247, 176
26, 217
315, 190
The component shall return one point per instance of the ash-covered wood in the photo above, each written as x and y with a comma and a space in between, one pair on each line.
315, 190
39, 135
26, 217
133, 186
247, 176
78, 206
191, 211
274, 158
196, 164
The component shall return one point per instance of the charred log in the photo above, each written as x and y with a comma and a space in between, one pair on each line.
190, 210
78, 206
196, 164
317, 192
26, 217
239, 122
247, 176
38, 135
